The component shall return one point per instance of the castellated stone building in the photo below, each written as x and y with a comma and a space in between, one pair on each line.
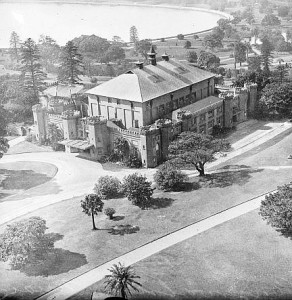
148, 106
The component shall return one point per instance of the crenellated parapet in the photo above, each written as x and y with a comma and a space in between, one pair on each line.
71, 114
96, 120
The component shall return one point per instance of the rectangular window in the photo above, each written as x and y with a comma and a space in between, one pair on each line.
136, 123
195, 120
202, 118
175, 104
181, 101
210, 114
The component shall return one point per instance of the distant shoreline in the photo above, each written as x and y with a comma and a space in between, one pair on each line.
88, 2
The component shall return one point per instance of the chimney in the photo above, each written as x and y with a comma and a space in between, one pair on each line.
152, 56
165, 56
139, 64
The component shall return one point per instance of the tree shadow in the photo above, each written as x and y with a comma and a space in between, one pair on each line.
21, 179
190, 186
118, 218
54, 261
227, 178
160, 202
123, 229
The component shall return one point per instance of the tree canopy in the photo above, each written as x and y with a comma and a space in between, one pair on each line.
121, 280
134, 38
14, 45
276, 99
32, 74
24, 242
71, 64
270, 20
92, 205
276, 209
208, 60
91, 46
195, 150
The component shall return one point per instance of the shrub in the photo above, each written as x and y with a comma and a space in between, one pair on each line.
187, 44
109, 212
107, 187
195, 37
138, 190
180, 36
162, 40
169, 177
134, 161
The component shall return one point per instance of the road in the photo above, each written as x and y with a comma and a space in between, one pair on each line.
76, 177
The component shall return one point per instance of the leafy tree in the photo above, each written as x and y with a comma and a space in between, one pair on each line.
138, 190
240, 53
280, 74
49, 52
4, 146
248, 15
134, 35
121, 280
192, 56
121, 149
32, 74
107, 187
114, 53
195, 150
109, 211
92, 205
254, 63
169, 177
187, 45
54, 136
208, 60
143, 47
276, 209
212, 41
24, 242
117, 40
71, 64
91, 46
266, 52
276, 99
270, 20
14, 45
180, 36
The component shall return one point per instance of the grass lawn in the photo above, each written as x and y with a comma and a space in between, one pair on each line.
86, 249
244, 258
17, 177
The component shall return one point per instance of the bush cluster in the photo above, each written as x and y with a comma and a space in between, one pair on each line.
169, 177
107, 187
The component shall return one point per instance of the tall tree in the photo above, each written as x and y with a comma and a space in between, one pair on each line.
195, 149
14, 45
49, 52
240, 53
143, 47
92, 205
32, 74
71, 64
208, 60
121, 280
266, 52
134, 35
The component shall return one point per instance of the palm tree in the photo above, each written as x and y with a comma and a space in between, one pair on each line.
121, 280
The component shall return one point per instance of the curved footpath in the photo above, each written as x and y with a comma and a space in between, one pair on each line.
76, 176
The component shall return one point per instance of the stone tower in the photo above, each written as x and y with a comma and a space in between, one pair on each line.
70, 119
40, 122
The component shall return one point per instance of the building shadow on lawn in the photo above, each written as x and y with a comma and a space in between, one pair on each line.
54, 261
118, 218
234, 175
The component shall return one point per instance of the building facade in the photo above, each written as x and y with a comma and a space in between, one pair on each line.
148, 106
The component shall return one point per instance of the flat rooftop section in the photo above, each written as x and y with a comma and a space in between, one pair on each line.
79, 144
206, 103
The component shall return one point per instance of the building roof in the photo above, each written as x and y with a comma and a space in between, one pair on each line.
64, 91
206, 103
152, 81
79, 144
